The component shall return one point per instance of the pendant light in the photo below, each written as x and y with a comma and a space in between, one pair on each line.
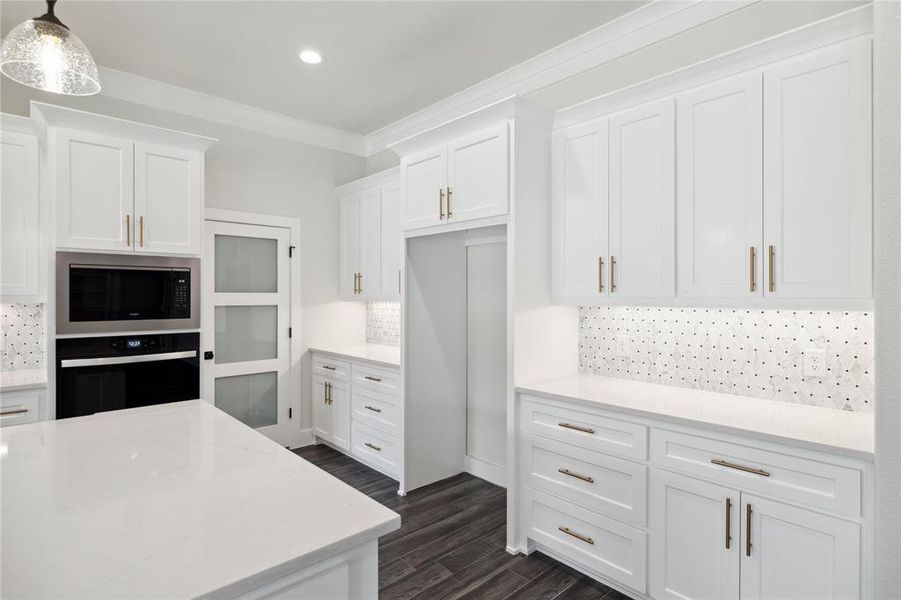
42, 53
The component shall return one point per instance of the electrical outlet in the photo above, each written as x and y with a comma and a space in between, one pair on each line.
623, 345
815, 363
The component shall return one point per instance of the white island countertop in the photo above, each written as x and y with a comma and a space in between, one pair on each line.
175, 500
388, 356
847, 433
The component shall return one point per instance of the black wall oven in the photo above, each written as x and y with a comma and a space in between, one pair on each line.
98, 374
111, 293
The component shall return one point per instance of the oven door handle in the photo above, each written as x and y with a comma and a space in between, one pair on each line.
121, 360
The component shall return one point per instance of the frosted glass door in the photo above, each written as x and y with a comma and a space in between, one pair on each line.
246, 321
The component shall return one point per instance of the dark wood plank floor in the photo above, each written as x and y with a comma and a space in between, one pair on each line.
451, 543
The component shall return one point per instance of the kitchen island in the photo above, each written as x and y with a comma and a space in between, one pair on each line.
177, 500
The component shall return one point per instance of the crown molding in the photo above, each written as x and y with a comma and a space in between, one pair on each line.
150, 92
386, 177
642, 27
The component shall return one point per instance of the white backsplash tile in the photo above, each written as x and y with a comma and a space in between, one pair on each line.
757, 353
383, 323
23, 341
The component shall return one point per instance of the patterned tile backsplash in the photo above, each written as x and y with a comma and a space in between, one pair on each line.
756, 353
383, 323
23, 347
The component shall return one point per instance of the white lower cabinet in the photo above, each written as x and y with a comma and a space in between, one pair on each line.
688, 513
21, 406
356, 408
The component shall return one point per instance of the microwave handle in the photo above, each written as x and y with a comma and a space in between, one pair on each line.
120, 360
129, 268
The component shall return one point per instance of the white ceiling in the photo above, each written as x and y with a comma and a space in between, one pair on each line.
383, 60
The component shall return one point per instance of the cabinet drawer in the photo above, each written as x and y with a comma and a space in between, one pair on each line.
812, 483
17, 408
375, 448
332, 368
375, 378
374, 409
603, 483
585, 428
589, 540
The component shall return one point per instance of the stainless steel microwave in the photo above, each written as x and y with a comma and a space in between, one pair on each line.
109, 293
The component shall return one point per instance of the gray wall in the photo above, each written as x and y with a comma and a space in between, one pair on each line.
252, 172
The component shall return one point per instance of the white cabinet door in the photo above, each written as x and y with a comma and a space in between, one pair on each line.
168, 199
391, 243
369, 282
424, 176
339, 402
694, 529
817, 174
579, 211
351, 214
94, 188
20, 218
322, 412
642, 202
794, 553
477, 175
720, 189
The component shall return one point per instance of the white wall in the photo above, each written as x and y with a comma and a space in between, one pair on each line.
253, 172
887, 169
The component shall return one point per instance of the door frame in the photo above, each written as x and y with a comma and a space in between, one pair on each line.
298, 431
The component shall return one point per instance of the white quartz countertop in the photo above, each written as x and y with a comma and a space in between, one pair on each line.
374, 353
168, 501
813, 427
11, 381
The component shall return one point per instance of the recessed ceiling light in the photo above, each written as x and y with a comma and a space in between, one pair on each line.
311, 57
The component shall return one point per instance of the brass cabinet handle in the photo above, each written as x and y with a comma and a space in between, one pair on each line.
585, 478
328, 367
128, 230
141, 221
724, 463
371, 378
612, 273
450, 213
728, 523
578, 536
753, 269
441, 203
360, 284
325, 391
372, 408
748, 531
14, 411
772, 262
600, 274
398, 281
576, 427
376, 448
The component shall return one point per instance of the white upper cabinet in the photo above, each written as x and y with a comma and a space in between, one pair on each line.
797, 553
754, 189
351, 210
391, 248
579, 210
20, 215
168, 199
720, 197
424, 177
642, 202
461, 181
370, 244
371, 254
94, 189
477, 175
817, 174
121, 186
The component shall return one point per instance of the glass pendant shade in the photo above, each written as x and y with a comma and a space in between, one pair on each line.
42, 53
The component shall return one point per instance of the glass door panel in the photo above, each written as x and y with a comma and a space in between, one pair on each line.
246, 320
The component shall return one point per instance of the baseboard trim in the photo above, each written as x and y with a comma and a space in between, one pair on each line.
485, 470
